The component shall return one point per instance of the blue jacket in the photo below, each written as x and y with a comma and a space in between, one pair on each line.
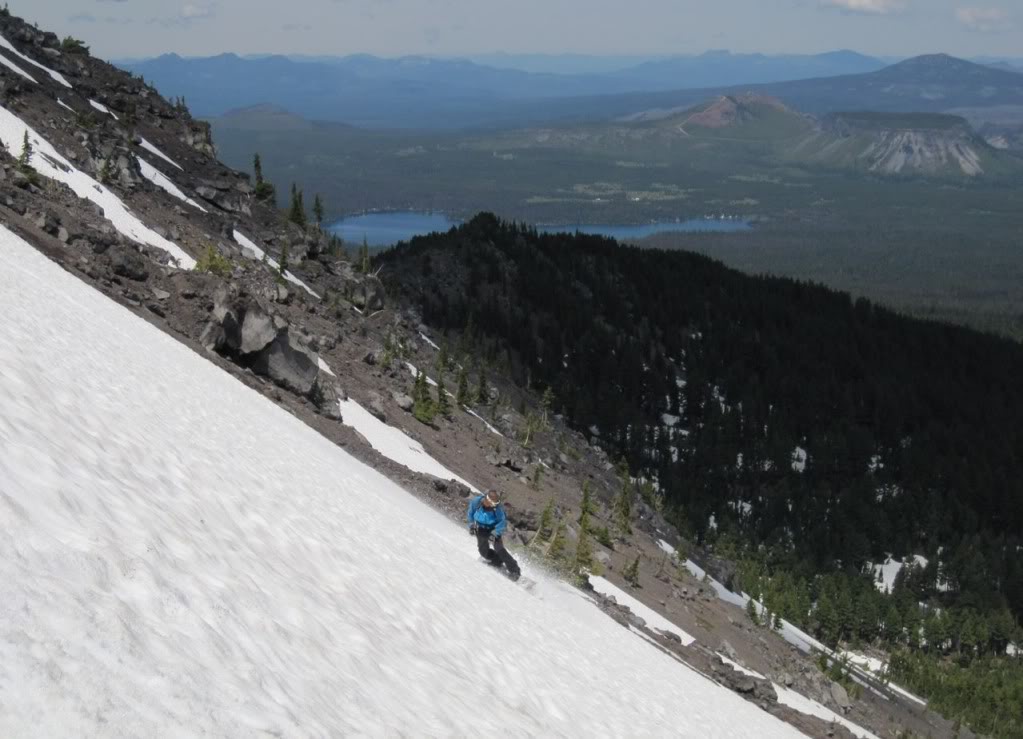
493, 519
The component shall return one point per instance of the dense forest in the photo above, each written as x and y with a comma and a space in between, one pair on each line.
828, 431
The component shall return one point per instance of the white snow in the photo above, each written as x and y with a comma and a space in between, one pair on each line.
490, 428
669, 420
104, 109
428, 341
52, 165
885, 574
258, 253
666, 547
799, 459
740, 668
872, 664
653, 619
161, 180
64, 105
395, 444
183, 558
145, 144
415, 373
4, 43
794, 700
324, 367
12, 66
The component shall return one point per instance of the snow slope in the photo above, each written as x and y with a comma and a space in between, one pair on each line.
50, 164
182, 557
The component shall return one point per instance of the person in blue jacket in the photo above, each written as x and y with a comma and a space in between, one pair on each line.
486, 518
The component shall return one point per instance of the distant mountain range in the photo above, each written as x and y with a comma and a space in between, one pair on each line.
451, 93
427, 93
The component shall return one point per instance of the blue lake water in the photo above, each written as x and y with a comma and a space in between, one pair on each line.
385, 229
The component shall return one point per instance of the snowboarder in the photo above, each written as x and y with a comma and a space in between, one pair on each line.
486, 518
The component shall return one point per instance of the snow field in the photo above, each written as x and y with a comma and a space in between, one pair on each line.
182, 557
52, 165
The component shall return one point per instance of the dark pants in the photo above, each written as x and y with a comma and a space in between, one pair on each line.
498, 555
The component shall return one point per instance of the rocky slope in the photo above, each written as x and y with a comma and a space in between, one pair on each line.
123, 188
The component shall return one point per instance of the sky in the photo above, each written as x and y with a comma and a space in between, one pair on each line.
141, 28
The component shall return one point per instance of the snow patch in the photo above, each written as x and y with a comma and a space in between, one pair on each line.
52, 165
161, 180
161, 570
4, 43
428, 341
795, 701
64, 105
104, 109
666, 547
799, 459
324, 367
150, 148
12, 66
490, 428
669, 420
246, 243
653, 619
395, 444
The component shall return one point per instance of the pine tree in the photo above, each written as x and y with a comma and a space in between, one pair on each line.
25, 160
318, 210
264, 190
423, 408
546, 402
482, 388
623, 509
631, 573
462, 396
537, 476
556, 549
545, 530
364, 257
751, 612
297, 212
282, 268
583, 561
587, 504
443, 404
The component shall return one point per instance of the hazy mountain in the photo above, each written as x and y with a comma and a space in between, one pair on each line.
451, 93
724, 68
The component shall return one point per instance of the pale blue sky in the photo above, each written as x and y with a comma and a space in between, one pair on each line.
132, 28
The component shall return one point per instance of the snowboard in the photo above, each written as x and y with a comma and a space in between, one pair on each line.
523, 581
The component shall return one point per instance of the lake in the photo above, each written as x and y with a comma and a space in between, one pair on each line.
385, 229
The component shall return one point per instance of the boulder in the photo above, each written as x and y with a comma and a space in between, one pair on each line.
326, 396
403, 401
258, 330
604, 558
840, 697
369, 294
129, 264
376, 406
288, 363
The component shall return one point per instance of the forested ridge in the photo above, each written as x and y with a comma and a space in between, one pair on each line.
910, 429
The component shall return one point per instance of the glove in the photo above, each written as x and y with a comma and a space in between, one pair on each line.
472, 530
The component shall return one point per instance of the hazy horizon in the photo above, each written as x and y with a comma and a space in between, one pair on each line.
123, 29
